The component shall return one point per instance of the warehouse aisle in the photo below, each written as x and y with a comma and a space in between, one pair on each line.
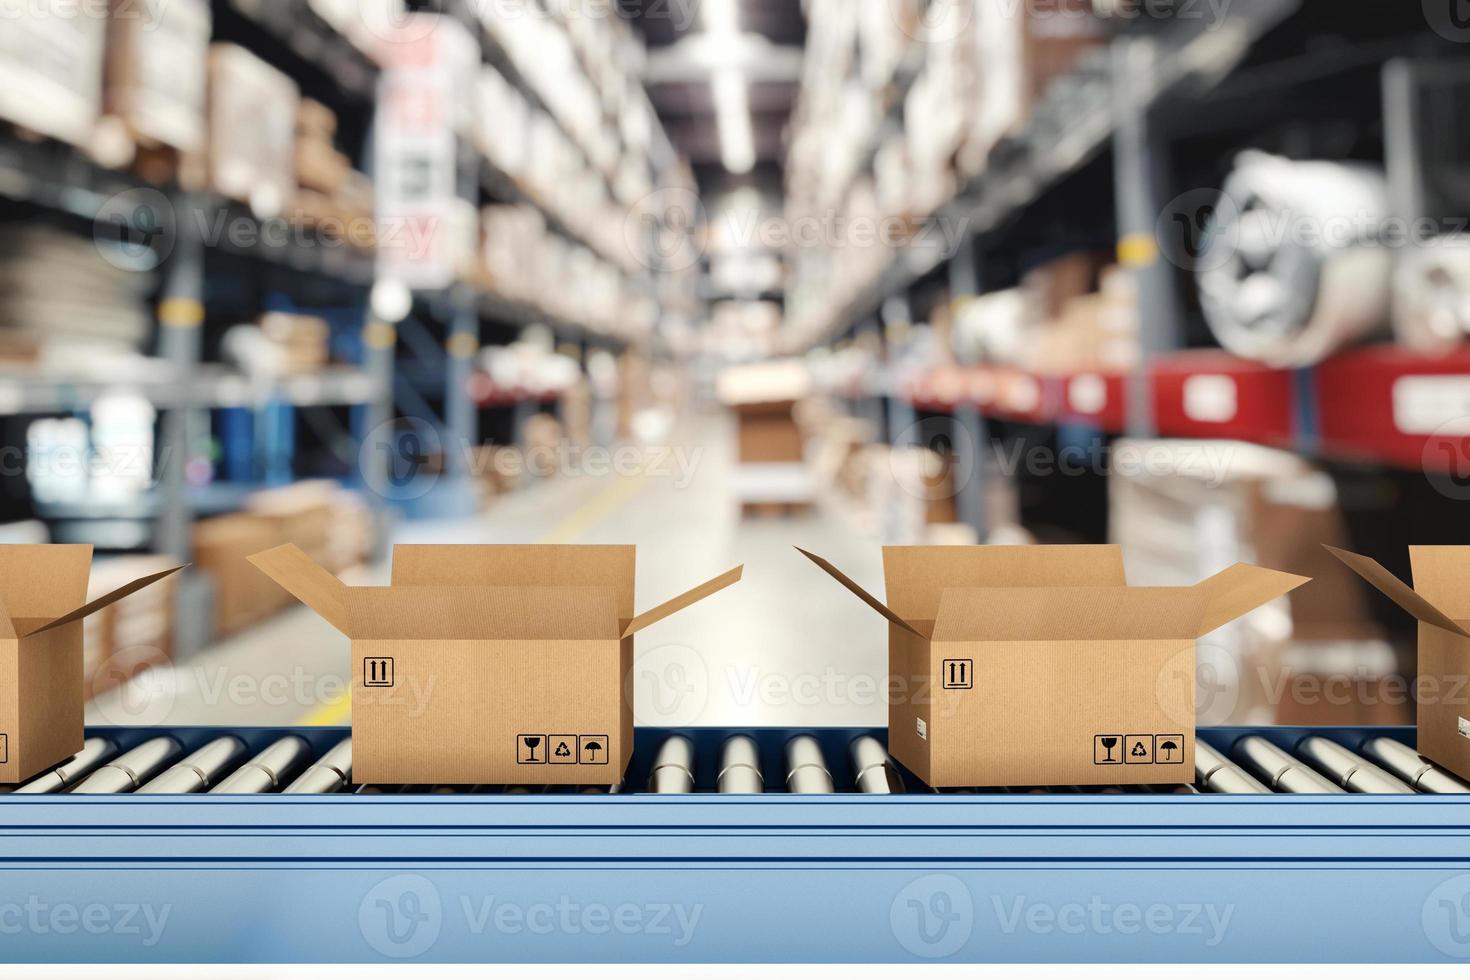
785, 646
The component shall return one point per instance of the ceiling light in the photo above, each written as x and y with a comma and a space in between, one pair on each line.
721, 18
732, 115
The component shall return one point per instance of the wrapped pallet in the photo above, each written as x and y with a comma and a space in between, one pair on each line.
157, 76
252, 131
51, 71
1019, 54
771, 468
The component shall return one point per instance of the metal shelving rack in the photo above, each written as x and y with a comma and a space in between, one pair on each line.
56, 178
447, 326
1160, 81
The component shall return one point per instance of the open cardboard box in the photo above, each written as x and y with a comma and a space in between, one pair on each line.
43, 600
1016, 665
481, 664
1440, 601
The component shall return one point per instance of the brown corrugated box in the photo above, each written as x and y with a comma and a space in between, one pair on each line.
767, 433
221, 546
1440, 601
1040, 666
43, 600
133, 633
488, 663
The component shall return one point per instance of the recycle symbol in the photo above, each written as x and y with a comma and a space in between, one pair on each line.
562, 751
1138, 749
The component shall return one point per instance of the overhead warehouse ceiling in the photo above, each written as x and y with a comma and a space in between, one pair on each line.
684, 57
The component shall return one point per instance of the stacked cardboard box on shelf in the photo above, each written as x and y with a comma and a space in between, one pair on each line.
330, 524
58, 290
51, 72
252, 130
1073, 314
1181, 509
330, 195
132, 634
157, 75
302, 341
1020, 55
1093, 330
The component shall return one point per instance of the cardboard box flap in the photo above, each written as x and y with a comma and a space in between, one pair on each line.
612, 566
290, 568
916, 576
860, 592
1442, 577
101, 602
472, 612
1239, 589
682, 601
1390, 585
1088, 612
43, 581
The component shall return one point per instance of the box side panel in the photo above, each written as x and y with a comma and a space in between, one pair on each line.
625, 701
49, 695
910, 700
10, 771
611, 566
43, 581
1443, 695
1442, 575
534, 712
1064, 713
915, 576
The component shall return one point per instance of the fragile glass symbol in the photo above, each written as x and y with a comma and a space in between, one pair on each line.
531, 742
1108, 741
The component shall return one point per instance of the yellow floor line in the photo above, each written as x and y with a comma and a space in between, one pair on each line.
576, 524
587, 516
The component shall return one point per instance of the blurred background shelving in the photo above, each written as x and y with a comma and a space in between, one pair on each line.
1194, 278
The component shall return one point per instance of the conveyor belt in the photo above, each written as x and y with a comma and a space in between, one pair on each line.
263, 761
819, 848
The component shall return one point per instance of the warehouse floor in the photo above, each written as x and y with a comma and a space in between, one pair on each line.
785, 646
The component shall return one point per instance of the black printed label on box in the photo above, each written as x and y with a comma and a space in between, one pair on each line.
1138, 750
4, 748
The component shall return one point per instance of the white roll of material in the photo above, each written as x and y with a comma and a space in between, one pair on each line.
1295, 269
1431, 295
